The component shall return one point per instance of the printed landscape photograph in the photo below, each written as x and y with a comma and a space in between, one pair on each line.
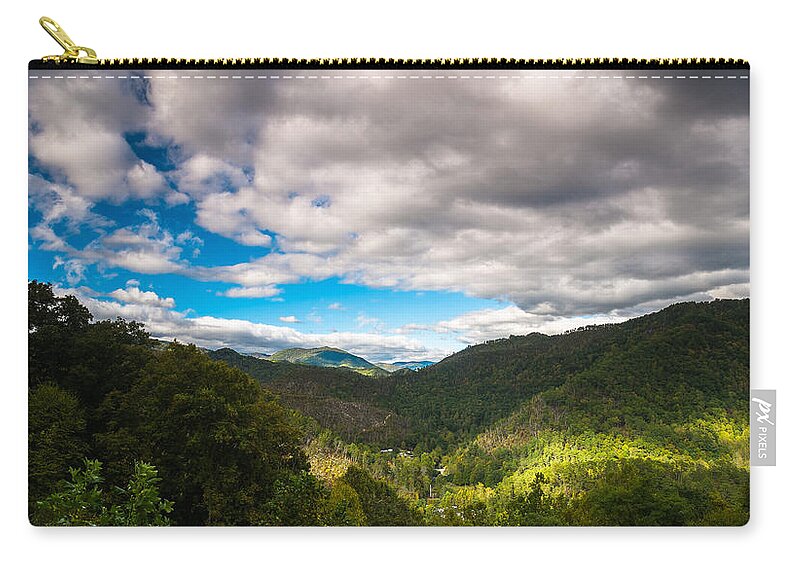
398, 297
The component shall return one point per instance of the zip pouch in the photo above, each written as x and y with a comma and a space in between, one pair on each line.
388, 293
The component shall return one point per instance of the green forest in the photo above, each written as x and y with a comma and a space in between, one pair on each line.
639, 423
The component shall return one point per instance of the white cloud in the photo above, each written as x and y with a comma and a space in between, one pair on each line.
74, 269
78, 134
48, 240
489, 324
144, 181
57, 203
251, 292
202, 175
559, 202
363, 321
566, 198
336, 307
187, 237
289, 319
145, 248
216, 121
133, 295
165, 323
232, 215
732, 291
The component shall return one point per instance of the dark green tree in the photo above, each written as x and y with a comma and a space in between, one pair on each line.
53, 324
87, 359
343, 507
380, 503
633, 493
56, 437
219, 441
297, 500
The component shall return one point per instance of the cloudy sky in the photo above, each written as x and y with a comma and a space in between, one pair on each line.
399, 215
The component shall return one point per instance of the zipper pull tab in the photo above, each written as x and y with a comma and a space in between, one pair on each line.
72, 52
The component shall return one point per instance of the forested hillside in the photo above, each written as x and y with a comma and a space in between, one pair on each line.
650, 413
125, 432
347, 402
692, 356
638, 423
655, 431
688, 357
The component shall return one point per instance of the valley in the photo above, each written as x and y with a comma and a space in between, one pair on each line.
657, 399
643, 422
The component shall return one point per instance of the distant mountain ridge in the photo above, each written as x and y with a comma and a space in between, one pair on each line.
688, 348
327, 356
407, 365
261, 355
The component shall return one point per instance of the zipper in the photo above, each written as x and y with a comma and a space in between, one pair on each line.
79, 57
72, 53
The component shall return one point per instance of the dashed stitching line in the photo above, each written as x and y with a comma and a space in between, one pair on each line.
401, 77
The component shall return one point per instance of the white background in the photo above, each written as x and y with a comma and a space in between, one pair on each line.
762, 34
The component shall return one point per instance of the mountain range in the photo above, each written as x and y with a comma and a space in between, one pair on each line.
643, 422
330, 357
697, 349
327, 356
408, 365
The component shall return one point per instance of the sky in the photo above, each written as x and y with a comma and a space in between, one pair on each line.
394, 214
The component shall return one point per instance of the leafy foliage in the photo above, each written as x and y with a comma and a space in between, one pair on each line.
653, 432
380, 504
339, 399
83, 502
220, 442
228, 452
56, 438
343, 507
688, 357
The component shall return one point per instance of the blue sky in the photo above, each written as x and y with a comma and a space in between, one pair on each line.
329, 305
399, 220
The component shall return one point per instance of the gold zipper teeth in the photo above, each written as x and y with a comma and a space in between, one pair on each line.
363, 62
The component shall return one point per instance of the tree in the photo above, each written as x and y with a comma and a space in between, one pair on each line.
379, 502
220, 442
297, 500
82, 501
87, 359
529, 507
634, 493
53, 323
141, 505
45, 310
343, 507
56, 437
463, 506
